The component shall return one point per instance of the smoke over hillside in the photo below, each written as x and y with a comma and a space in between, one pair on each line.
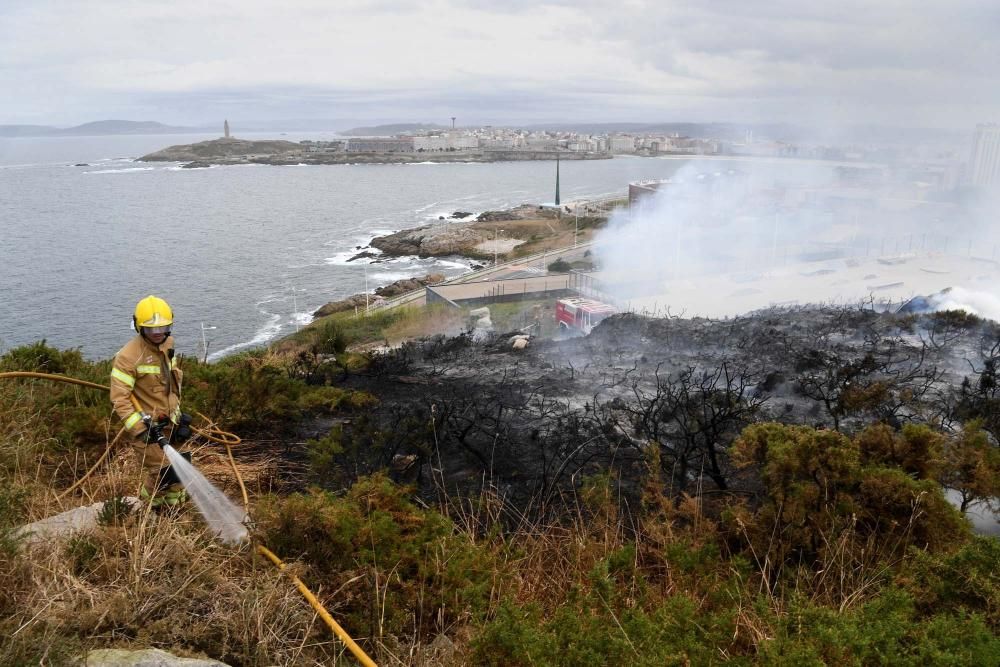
724, 238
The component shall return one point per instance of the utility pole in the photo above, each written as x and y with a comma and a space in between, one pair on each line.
366, 290
576, 223
557, 179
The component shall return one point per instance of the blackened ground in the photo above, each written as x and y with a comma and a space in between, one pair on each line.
457, 417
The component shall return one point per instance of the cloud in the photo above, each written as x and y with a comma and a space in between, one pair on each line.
630, 60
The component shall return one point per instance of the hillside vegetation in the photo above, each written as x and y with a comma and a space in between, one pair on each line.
583, 503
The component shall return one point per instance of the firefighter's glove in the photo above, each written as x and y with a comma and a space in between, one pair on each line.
182, 432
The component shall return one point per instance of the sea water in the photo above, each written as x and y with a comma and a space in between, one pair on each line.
247, 251
224, 518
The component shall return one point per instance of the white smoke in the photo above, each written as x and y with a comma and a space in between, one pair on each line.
983, 304
726, 237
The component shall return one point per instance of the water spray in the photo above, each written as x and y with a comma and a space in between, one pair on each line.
224, 518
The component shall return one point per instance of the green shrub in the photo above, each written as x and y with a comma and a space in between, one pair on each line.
560, 266
964, 582
916, 450
114, 511
600, 627
821, 505
40, 358
12, 500
81, 551
885, 630
416, 572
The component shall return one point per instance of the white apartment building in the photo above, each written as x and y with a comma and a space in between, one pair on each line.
984, 164
621, 144
434, 142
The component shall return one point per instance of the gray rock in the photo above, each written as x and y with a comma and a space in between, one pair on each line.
66, 524
147, 657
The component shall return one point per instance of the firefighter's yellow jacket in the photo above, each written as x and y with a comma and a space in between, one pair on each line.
150, 373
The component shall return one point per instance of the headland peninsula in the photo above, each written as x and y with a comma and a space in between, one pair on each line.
232, 151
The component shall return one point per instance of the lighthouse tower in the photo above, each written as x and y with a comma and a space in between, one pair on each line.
225, 128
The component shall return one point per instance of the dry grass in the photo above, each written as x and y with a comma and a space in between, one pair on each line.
422, 322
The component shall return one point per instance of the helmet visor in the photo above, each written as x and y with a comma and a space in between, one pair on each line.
152, 331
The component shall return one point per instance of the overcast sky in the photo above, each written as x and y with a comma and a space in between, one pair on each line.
896, 62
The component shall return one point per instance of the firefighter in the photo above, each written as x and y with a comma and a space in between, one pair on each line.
146, 369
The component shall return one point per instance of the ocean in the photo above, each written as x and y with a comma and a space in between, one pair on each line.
244, 254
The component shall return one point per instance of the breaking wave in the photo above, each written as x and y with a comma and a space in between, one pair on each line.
121, 171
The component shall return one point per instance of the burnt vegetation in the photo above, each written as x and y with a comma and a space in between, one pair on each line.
458, 417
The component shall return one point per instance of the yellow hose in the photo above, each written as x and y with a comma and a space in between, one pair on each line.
227, 439
307, 594
54, 376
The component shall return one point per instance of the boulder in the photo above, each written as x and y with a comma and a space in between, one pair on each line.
66, 524
147, 657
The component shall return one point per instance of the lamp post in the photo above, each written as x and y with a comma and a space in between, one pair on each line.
366, 289
576, 223
496, 244
204, 342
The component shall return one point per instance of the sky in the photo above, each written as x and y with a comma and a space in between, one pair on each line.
909, 63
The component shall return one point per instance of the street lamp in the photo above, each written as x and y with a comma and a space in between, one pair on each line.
576, 223
496, 244
366, 289
204, 341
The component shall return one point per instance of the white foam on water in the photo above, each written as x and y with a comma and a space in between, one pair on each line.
264, 334
424, 208
302, 318
120, 171
223, 517
450, 264
390, 276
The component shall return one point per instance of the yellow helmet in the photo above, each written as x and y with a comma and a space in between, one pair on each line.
152, 312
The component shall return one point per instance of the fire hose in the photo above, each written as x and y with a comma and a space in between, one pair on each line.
212, 434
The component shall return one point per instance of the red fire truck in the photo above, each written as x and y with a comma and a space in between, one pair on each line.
581, 315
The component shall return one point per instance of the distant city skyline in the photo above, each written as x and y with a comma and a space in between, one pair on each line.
892, 63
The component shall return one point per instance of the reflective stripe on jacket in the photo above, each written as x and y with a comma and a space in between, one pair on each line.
152, 375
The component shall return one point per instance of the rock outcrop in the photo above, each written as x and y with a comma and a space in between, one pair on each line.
394, 289
433, 241
219, 149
